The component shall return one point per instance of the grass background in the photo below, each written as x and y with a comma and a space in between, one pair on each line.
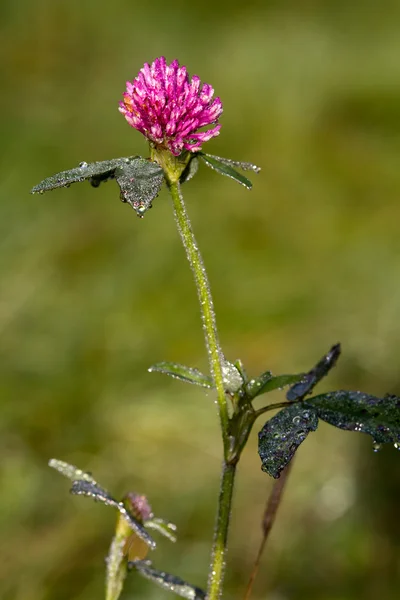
90, 295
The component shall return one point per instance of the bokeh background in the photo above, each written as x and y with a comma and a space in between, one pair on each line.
91, 296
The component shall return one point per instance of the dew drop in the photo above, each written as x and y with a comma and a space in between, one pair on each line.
296, 420
83, 165
376, 446
397, 445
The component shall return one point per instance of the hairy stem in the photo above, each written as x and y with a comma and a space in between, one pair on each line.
206, 306
216, 359
218, 556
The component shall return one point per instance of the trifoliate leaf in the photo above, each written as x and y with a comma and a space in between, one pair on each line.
282, 435
169, 582
183, 373
310, 379
356, 411
139, 179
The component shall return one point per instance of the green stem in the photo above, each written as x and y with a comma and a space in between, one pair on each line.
218, 556
216, 359
206, 306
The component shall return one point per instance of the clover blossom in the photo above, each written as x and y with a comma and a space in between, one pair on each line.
168, 108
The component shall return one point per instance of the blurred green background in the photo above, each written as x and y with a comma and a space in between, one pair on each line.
91, 295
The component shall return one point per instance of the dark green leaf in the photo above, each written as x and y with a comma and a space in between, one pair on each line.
310, 379
97, 170
86, 488
225, 169
168, 582
183, 373
280, 437
140, 181
267, 383
356, 411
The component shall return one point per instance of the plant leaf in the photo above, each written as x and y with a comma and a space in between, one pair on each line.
183, 373
225, 169
71, 471
231, 377
280, 437
267, 383
166, 528
310, 379
356, 411
190, 170
168, 582
140, 181
97, 171
245, 166
87, 488
117, 560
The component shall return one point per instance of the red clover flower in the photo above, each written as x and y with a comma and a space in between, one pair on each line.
168, 108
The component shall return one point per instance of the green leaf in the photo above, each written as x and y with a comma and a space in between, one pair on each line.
356, 411
117, 562
166, 528
98, 171
183, 373
280, 437
139, 179
245, 166
168, 582
71, 471
240, 367
310, 379
267, 383
225, 169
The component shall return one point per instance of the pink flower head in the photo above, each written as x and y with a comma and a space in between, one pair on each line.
169, 108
